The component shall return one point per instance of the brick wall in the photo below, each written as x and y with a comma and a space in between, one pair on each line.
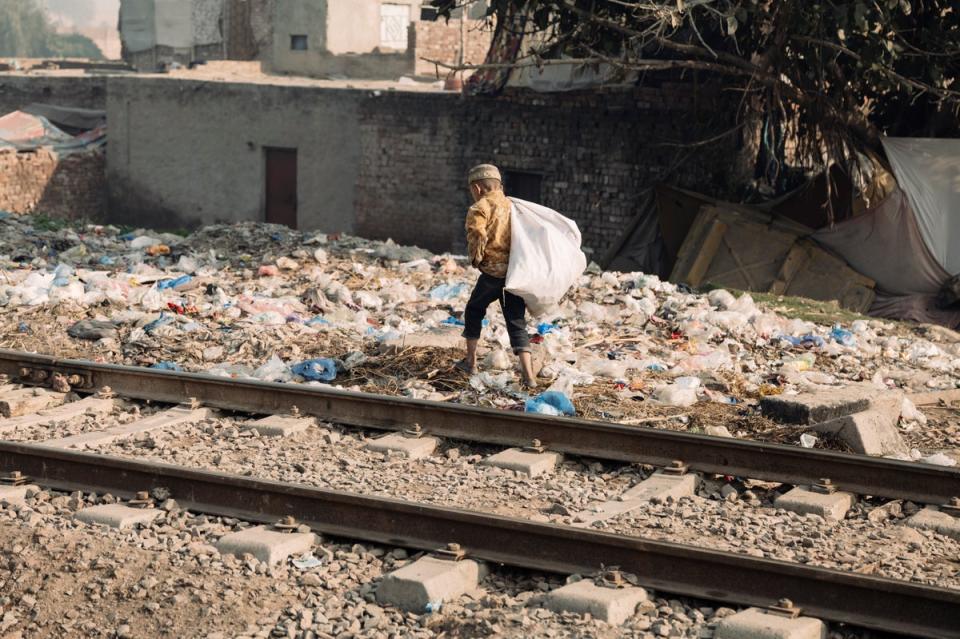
71, 187
596, 150
440, 40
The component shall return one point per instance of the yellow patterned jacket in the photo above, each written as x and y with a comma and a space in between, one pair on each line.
488, 234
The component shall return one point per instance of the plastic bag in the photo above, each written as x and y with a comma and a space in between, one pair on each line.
550, 403
545, 255
316, 370
274, 370
841, 336
167, 366
164, 285
92, 330
678, 395
448, 291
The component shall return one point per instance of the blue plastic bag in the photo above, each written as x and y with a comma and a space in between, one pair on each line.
167, 366
447, 291
316, 370
842, 336
550, 403
545, 328
163, 320
174, 283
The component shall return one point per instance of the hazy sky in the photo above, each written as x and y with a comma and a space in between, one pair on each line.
85, 12
97, 19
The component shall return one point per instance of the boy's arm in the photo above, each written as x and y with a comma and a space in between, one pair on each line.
476, 233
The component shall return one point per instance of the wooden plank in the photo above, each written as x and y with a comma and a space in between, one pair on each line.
691, 245
708, 250
172, 417
28, 400
826, 277
87, 406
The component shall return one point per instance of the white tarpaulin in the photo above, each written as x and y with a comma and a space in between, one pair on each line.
928, 171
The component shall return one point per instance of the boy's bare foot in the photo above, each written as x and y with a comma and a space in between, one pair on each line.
528, 383
465, 366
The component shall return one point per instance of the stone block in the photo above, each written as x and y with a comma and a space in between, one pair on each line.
429, 580
612, 605
833, 506
117, 515
437, 338
280, 425
28, 400
869, 432
16, 494
937, 521
526, 462
821, 406
755, 623
176, 416
658, 486
412, 447
269, 546
87, 406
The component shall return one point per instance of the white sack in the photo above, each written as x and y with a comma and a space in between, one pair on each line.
545, 255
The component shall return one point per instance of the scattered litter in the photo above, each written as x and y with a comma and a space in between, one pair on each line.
306, 562
167, 366
316, 370
551, 403
446, 292
92, 330
807, 440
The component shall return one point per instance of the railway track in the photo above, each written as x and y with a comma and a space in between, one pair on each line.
882, 604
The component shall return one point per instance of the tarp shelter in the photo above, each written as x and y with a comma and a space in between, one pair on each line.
23, 131
910, 242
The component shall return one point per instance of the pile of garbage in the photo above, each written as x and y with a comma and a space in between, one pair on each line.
266, 302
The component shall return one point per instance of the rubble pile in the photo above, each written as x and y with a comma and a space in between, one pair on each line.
265, 302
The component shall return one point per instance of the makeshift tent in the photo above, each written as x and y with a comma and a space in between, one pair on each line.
928, 171
910, 242
24, 132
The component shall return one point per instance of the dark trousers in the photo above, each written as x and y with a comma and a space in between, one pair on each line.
487, 290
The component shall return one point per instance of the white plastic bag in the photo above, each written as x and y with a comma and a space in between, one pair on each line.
545, 255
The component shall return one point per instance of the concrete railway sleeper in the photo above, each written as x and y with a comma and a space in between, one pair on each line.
855, 474
459, 538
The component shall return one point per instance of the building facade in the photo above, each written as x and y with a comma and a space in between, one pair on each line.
382, 39
158, 33
391, 164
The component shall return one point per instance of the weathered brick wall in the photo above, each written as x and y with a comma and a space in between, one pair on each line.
440, 40
71, 187
17, 90
596, 150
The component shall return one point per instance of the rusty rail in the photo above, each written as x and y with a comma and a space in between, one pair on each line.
881, 604
859, 474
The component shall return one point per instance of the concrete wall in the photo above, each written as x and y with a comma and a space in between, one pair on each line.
73, 90
343, 38
184, 153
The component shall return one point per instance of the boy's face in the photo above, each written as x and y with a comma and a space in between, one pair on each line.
475, 192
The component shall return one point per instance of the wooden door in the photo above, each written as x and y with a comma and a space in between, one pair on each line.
281, 174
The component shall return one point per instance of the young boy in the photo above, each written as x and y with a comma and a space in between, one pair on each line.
488, 244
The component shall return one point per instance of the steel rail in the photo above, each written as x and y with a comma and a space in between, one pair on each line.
859, 474
881, 604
